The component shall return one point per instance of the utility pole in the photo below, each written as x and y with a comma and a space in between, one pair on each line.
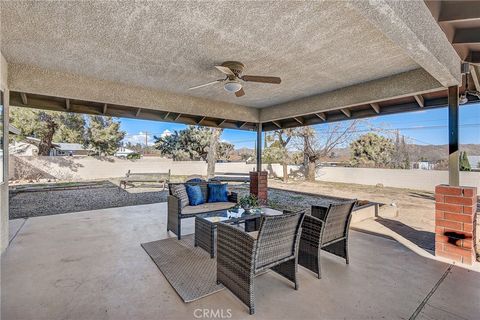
146, 143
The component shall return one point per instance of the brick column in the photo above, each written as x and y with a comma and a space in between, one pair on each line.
259, 185
455, 222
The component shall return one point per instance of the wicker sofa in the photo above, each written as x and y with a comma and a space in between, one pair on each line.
176, 213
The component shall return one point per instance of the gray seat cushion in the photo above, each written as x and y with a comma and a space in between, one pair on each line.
207, 207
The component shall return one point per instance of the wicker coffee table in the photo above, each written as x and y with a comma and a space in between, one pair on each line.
206, 224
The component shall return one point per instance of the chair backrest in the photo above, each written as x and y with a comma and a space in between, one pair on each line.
203, 186
278, 238
337, 221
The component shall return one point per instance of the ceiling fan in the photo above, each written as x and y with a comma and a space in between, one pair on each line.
233, 78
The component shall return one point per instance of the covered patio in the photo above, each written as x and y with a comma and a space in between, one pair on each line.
139, 61
89, 265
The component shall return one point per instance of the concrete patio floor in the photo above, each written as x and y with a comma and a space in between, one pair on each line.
89, 265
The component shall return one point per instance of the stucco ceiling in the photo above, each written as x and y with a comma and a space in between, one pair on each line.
314, 47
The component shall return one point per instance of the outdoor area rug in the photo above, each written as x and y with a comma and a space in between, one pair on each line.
189, 270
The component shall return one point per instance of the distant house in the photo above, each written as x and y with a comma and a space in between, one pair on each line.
61, 149
22, 148
474, 162
69, 149
423, 165
123, 152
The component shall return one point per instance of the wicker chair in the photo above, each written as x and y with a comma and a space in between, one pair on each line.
241, 256
326, 229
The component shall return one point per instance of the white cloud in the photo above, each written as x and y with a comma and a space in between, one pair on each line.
166, 133
138, 138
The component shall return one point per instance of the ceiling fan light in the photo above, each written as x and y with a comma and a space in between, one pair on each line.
232, 86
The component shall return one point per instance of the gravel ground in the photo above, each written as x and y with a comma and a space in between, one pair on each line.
289, 200
43, 203
108, 195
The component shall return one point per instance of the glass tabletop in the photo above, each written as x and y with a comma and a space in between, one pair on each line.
236, 214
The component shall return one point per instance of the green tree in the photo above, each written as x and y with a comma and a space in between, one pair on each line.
372, 150
103, 135
191, 143
48, 127
194, 143
464, 164
71, 129
225, 149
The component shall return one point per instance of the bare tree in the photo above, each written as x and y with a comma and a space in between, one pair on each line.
277, 150
212, 152
316, 146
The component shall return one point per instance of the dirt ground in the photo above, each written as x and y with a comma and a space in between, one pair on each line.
415, 208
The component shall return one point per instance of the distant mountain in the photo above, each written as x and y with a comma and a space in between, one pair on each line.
242, 154
419, 152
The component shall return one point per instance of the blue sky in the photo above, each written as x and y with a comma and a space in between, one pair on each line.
421, 127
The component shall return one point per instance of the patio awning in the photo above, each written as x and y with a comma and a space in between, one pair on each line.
337, 60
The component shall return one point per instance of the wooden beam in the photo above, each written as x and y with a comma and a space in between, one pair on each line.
346, 112
67, 104
243, 124
298, 120
138, 112
466, 35
166, 115
459, 11
322, 116
200, 121
177, 117
473, 57
221, 122
277, 124
24, 98
376, 107
420, 100
105, 106
475, 76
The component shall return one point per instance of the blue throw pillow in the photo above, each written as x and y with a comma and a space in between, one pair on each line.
217, 192
195, 195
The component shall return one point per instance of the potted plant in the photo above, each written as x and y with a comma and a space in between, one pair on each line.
248, 202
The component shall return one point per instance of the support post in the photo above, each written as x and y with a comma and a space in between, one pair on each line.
259, 178
453, 154
455, 205
259, 147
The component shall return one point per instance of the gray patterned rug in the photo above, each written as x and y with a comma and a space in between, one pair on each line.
189, 270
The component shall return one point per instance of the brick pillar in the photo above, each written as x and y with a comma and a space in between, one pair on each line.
455, 222
259, 185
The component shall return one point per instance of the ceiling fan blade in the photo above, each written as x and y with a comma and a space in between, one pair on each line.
205, 84
225, 70
240, 93
263, 79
